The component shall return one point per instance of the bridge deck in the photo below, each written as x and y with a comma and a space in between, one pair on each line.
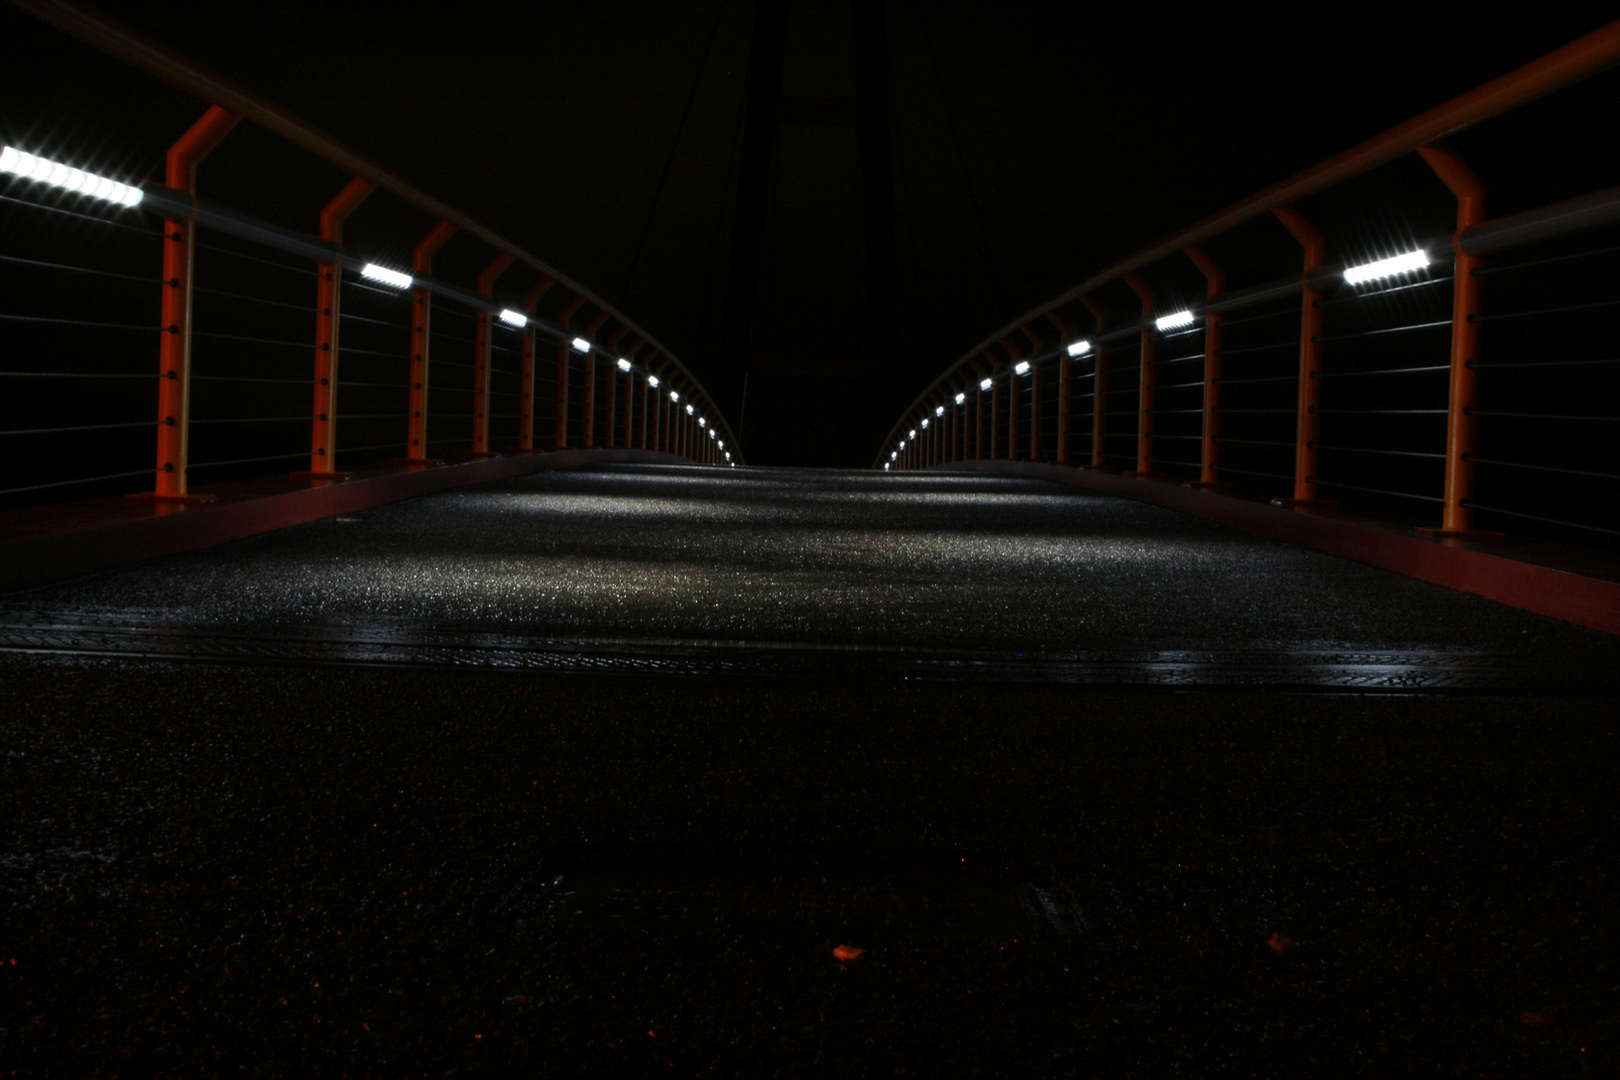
1094, 784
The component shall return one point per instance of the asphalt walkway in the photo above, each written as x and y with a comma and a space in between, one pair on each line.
592, 771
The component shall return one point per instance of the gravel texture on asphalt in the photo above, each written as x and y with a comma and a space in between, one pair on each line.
290, 870
798, 556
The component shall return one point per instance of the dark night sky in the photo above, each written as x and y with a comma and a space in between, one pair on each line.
1085, 131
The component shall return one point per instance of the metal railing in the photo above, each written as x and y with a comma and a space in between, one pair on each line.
1459, 369
268, 347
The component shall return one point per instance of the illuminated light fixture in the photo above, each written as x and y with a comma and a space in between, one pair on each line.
1174, 321
893, 454
652, 380
984, 384
1022, 368
961, 398
722, 444
674, 395
885, 466
386, 276
1398, 264
711, 432
1080, 348
702, 422
912, 434
689, 410
31, 167
581, 345
624, 365
925, 421
940, 411
728, 456
514, 318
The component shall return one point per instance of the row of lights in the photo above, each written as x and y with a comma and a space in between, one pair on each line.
32, 167
1354, 275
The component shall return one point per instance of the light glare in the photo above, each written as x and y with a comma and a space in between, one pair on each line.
1397, 264
1022, 368
624, 365
514, 318
939, 411
1174, 321
984, 384
1080, 348
386, 276
32, 167
961, 398
652, 381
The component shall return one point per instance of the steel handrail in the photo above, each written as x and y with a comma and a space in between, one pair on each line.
116, 39
1580, 59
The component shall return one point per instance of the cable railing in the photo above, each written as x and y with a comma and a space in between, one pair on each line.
262, 346
1429, 363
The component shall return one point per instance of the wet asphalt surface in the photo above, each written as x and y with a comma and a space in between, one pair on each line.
294, 867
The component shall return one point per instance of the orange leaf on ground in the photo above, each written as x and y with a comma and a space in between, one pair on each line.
847, 952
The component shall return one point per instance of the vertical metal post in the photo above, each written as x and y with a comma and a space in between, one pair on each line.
1148, 379
1209, 433
612, 439
995, 415
328, 316
482, 356
526, 372
1013, 400
1310, 360
1458, 517
627, 441
1065, 378
1099, 383
1037, 347
565, 360
655, 413
595, 324
986, 371
174, 349
421, 316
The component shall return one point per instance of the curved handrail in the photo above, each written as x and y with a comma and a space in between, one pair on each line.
112, 37
1571, 63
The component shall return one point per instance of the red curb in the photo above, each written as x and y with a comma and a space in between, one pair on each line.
50, 543
1583, 598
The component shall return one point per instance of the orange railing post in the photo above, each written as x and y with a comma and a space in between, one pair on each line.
1013, 402
1099, 383
174, 350
1310, 360
612, 439
1147, 378
1458, 517
565, 360
482, 360
328, 313
1209, 429
421, 327
526, 372
589, 438
1065, 373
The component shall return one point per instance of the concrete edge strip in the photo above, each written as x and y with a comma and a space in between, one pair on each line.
40, 560
1581, 599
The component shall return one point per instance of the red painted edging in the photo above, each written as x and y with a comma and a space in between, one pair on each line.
1578, 598
126, 537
